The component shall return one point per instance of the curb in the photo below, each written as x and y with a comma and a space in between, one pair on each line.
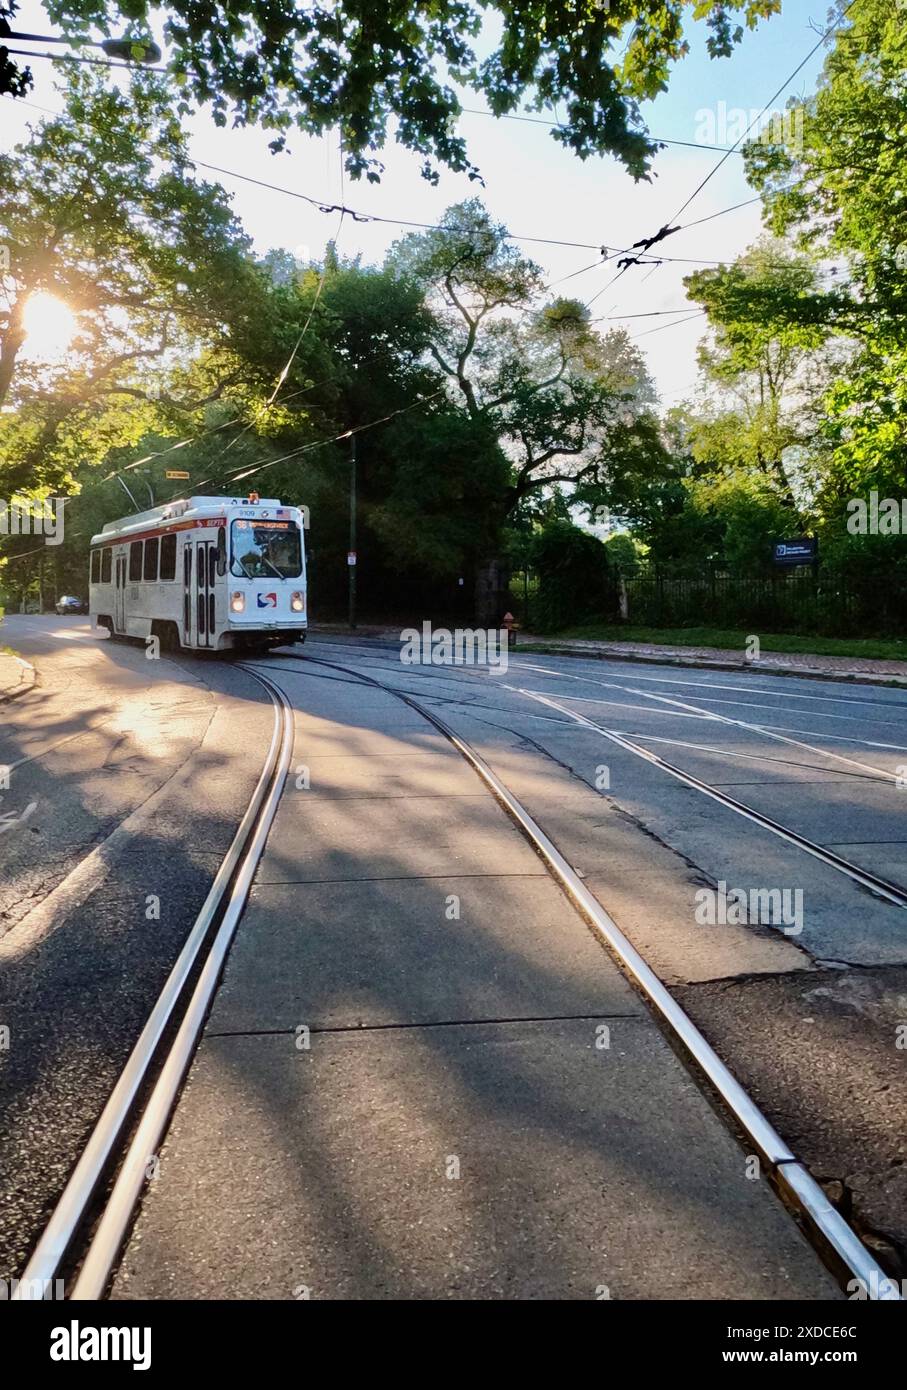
702, 663
760, 667
27, 679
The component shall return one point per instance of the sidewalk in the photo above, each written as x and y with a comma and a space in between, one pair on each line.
841, 668
835, 668
16, 675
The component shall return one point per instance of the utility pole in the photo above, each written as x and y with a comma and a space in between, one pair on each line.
352, 556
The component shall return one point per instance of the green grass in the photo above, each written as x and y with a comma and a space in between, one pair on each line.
874, 648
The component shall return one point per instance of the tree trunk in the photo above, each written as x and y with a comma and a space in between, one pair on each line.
11, 341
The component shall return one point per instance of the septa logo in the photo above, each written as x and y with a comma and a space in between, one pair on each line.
267, 600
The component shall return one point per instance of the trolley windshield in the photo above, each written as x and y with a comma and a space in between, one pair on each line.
268, 548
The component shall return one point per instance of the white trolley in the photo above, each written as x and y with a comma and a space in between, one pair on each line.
205, 573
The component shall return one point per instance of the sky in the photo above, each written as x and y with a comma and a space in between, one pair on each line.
532, 184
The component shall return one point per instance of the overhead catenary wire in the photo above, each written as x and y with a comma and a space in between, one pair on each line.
646, 243
555, 125
202, 434
244, 471
305, 327
607, 251
695, 315
839, 18
646, 314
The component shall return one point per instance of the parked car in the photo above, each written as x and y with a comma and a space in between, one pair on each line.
68, 603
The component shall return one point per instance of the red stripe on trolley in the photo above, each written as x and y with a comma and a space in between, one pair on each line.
165, 530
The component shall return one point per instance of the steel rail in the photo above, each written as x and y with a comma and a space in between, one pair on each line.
244, 849
794, 1180
886, 888
132, 1173
894, 892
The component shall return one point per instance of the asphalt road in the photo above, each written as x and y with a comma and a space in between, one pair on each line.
810, 1015
139, 773
413, 1024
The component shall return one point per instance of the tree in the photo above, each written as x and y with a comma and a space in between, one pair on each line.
430, 478
361, 65
101, 211
836, 185
13, 79
569, 405
624, 554
764, 360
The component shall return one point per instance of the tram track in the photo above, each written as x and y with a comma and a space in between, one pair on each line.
201, 960
136, 1116
831, 1235
890, 891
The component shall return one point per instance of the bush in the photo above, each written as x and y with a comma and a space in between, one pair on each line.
574, 578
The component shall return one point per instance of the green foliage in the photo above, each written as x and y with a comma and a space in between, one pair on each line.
311, 67
837, 185
431, 479
13, 79
625, 555
569, 405
746, 515
574, 580
99, 209
764, 362
726, 520
735, 640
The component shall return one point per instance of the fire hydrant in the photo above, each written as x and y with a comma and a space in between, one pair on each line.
510, 625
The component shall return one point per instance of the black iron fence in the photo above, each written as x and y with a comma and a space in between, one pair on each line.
823, 604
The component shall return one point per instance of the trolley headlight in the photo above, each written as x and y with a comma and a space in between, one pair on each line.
297, 601
237, 601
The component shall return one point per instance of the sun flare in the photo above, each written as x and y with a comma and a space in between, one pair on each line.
49, 326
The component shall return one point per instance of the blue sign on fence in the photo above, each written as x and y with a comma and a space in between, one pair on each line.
802, 550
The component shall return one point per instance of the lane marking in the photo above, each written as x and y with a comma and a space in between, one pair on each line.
893, 892
727, 753
746, 689
620, 704
767, 731
781, 738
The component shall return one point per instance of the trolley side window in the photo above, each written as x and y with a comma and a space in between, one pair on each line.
95, 566
106, 564
150, 568
168, 557
135, 560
